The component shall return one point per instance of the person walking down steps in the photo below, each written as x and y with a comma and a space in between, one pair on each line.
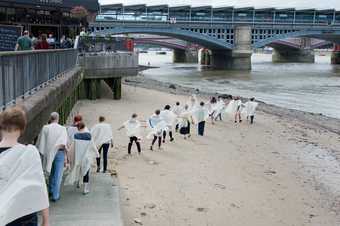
103, 139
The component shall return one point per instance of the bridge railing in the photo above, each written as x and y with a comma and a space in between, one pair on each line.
24, 72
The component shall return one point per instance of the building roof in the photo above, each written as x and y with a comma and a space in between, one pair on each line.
91, 5
165, 7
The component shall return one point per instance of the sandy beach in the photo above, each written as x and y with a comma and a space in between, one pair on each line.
279, 171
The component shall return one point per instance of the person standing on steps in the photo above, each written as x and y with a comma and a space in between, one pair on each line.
23, 191
52, 143
103, 139
133, 131
82, 154
170, 118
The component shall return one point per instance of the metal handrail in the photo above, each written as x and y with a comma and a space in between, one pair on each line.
24, 72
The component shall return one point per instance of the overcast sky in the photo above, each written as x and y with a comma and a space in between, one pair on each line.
322, 4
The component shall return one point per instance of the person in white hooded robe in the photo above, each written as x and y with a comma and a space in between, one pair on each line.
200, 115
157, 125
52, 144
133, 131
170, 118
185, 120
81, 155
250, 108
177, 110
23, 190
103, 138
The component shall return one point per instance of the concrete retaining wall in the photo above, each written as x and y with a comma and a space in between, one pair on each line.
60, 96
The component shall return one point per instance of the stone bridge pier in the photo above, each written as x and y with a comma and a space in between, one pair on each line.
185, 56
284, 54
240, 57
335, 58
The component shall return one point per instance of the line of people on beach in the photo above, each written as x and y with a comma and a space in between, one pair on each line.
180, 119
68, 152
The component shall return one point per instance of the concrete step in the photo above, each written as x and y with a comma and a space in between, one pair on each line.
100, 207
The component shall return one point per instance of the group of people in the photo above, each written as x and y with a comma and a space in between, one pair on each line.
23, 168
44, 41
71, 151
181, 118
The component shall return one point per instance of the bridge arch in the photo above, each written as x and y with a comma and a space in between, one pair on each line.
161, 43
193, 37
334, 36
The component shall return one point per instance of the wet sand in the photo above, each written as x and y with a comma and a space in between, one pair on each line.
279, 171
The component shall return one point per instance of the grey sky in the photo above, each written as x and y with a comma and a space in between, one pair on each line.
320, 4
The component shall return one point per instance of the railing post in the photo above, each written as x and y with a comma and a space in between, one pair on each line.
3, 82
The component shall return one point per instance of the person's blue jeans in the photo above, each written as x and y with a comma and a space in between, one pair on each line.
56, 175
201, 126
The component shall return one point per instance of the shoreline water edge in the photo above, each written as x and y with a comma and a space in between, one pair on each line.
310, 119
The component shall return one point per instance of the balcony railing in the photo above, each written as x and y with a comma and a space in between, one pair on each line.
24, 72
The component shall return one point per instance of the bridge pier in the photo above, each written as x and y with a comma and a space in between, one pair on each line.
185, 56
240, 57
335, 58
116, 87
288, 55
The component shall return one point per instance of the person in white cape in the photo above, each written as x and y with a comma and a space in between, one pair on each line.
185, 120
250, 108
170, 118
133, 131
193, 102
73, 129
157, 125
52, 144
23, 190
200, 115
103, 139
177, 110
81, 155
220, 108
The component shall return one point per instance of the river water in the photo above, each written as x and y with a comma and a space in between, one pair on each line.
307, 87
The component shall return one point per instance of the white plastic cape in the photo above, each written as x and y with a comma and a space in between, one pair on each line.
200, 114
133, 128
22, 183
177, 110
250, 108
51, 138
220, 108
81, 154
184, 119
101, 134
157, 126
71, 130
169, 117
193, 102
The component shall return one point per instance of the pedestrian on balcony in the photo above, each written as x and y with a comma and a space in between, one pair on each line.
103, 139
52, 143
23, 190
24, 42
42, 43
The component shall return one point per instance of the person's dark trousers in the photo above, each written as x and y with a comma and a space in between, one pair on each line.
170, 135
201, 126
251, 119
219, 116
134, 139
105, 148
86, 178
177, 127
159, 141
